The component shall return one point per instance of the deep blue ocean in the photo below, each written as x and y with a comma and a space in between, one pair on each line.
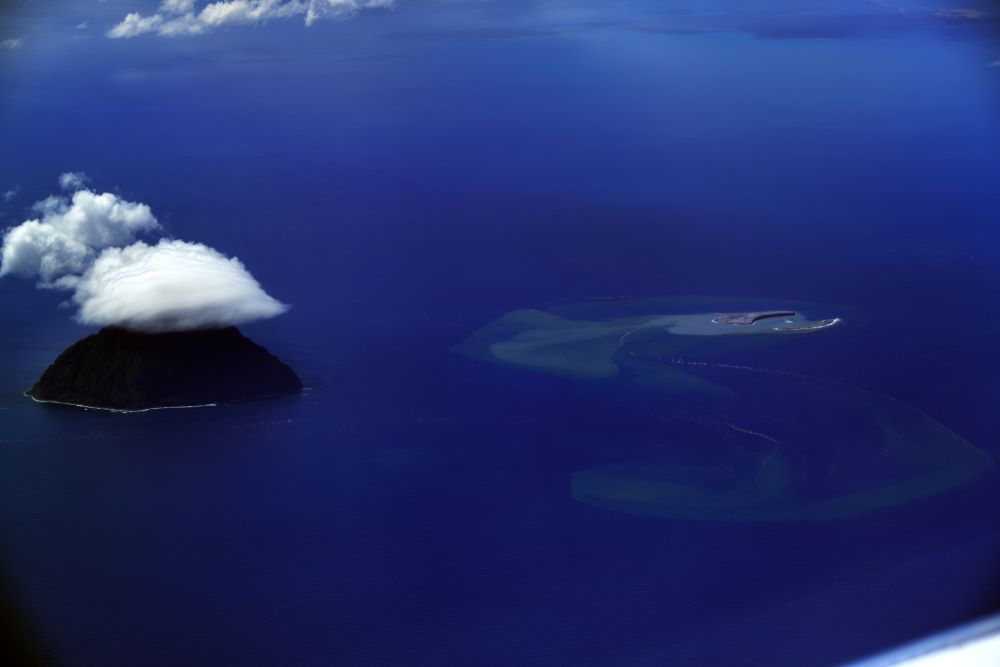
405, 177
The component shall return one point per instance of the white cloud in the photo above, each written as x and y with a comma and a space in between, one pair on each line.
87, 244
171, 286
995, 63
13, 43
83, 25
10, 194
68, 234
73, 180
179, 18
135, 24
177, 6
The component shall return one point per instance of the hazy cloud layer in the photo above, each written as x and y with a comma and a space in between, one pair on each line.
87, 244
182, 18
72, 180
879, 21
171, 286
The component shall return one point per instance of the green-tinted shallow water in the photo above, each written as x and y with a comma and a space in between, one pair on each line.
781, 447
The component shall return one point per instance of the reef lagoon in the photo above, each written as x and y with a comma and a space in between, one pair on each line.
760, 443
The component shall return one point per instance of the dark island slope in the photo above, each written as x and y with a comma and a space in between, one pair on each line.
121, 369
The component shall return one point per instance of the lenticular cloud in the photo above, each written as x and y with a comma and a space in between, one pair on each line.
171, 286
88, 244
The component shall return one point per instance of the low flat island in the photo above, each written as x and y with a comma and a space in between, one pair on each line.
751, 318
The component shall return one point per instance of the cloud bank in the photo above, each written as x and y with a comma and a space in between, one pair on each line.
69, 233
87, 244
181, 18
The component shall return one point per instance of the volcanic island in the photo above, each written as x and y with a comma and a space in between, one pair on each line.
124, 370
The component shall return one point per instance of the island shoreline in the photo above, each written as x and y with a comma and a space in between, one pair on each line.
81, 406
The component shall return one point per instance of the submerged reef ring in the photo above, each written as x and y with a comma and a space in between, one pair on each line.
895, 455
758, 444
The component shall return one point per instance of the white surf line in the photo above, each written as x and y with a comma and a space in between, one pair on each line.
804, 329
767, 459
754, 433
771, 371
654, 318
775, 448
802, 376
120, 410
621, 341
810, 327
163, 407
